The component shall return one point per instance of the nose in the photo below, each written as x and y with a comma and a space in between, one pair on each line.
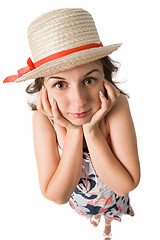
79, 99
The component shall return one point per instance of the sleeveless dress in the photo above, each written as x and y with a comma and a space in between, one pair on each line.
92, 196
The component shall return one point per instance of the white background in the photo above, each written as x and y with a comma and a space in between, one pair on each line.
24, 212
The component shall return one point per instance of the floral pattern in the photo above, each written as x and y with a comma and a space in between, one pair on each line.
92, 196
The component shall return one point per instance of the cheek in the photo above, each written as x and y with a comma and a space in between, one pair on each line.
95, 103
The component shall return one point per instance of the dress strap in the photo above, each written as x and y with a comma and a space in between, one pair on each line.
107, 236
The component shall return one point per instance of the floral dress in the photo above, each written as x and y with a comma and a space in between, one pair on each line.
92, 196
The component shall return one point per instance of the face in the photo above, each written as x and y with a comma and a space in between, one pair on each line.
76, 91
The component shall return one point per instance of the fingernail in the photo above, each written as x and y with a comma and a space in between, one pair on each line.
42, 88
100, 92
105, 80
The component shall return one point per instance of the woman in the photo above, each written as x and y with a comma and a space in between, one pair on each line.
84, 137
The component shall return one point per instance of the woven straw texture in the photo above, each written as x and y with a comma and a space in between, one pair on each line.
61, 30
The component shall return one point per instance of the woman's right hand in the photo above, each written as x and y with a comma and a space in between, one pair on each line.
51, 110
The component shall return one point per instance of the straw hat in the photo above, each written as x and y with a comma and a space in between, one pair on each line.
60, 40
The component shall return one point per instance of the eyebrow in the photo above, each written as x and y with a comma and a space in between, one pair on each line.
55, 77
61, 78
94, 70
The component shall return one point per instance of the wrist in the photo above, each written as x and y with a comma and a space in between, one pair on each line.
77, 130
91, 130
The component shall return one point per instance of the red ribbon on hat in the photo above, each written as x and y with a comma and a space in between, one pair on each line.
31, 66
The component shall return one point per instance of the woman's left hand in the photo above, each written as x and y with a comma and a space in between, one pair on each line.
106, 105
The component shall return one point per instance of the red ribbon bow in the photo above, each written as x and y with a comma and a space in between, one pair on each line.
30, 66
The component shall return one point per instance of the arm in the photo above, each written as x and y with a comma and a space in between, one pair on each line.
119, 169
57, 177
68, 172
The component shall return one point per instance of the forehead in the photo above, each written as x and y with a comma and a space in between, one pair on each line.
81, 70
85, 67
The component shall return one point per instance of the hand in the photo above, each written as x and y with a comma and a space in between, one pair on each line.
51, 110
106, 105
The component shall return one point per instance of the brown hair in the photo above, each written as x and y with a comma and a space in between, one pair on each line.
110, 68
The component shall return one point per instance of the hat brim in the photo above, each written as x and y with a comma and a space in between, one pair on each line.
69, 62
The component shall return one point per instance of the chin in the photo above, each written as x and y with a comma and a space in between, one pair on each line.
80, 121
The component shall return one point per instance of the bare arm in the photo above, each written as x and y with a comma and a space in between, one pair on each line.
57, 177
119, 169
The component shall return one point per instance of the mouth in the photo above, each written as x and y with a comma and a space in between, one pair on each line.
80, 115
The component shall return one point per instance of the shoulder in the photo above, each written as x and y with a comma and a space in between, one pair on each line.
39, 118
121, 126
119, 111
120, 123
37, 115
40, 122
121, 104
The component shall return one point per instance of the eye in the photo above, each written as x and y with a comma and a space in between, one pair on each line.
60, 85
90, 81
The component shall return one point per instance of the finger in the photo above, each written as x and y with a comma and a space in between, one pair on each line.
102, 111
115, 89
111, 91
39, 102
104, 102
45, 102
55, 110
118, 93
57, 117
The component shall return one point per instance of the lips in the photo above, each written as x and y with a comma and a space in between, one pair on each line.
80, 115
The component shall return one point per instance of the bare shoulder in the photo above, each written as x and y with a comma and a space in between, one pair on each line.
40, 120
119, 111
38, 116
42, 128
123, 137
121, 104
122, 130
